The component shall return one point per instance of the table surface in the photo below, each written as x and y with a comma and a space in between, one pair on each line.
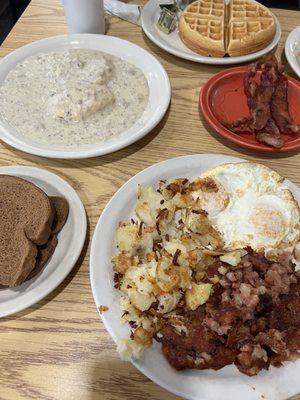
58, 349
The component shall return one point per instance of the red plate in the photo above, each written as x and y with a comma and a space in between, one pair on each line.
222, 98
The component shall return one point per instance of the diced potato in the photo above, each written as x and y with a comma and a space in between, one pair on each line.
180, 200
140, 301
149, 201
197, 223
199, 275
142, 337
234, 257
168, 302
197, 295
123, 261
141, 277
173, 187
165, 218
144, 244
126, 237
143, 211
128, 311
222, 270
129, 349
130, 240
167, 279
172, 246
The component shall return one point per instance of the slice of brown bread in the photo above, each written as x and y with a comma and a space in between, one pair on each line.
43, 255
26, 217
61, 207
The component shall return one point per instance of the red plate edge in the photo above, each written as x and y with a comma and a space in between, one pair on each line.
204, 106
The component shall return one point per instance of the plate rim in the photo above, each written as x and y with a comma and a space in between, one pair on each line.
288, 52
102, 149
94, 251
197, 57
205, 110
81, 217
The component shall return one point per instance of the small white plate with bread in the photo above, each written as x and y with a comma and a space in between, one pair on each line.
292, 50
216, 31
43, 229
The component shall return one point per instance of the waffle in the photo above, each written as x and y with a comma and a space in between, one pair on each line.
251, 27
201, 27
211, 28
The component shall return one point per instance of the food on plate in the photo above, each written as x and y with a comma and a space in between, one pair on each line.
202, 27
251, 27
214, 28
251, 318
73, 97
61, 208
266, 88
208, 269
29, 222
250, 207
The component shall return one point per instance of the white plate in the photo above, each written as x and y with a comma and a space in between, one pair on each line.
292, 47
227, 383
158, 81
173, 44
70, 242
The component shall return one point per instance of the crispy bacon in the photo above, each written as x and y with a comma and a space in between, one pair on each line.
279, 108
267, 100
270, 135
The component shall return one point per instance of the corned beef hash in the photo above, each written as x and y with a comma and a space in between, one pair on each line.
208, 268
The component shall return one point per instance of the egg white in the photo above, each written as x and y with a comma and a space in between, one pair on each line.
259, 211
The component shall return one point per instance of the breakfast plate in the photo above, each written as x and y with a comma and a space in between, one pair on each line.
227, 383
292, 50
222, 98
156, 107
70, 242
173, 44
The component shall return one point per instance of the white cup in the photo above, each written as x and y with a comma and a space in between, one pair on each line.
85, 16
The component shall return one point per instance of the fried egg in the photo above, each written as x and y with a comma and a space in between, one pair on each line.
249, 206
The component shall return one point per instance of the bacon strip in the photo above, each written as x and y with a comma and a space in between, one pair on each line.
279, 108
268, 104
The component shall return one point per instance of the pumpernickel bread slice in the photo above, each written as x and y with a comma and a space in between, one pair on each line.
61, 207
43, 255
26, 217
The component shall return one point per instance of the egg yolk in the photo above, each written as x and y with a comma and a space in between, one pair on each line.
269, 224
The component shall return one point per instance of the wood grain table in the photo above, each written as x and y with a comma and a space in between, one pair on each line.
58, 349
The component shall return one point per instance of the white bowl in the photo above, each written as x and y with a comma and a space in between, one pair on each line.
292, 47
158, 81
227, 383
